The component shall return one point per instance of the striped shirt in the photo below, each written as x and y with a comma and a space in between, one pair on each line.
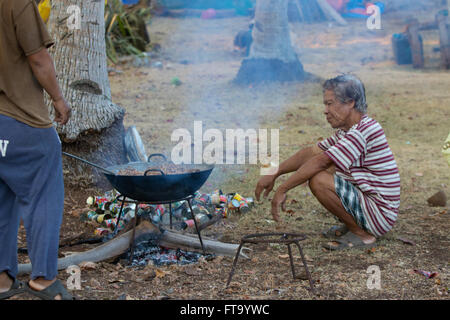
362, 156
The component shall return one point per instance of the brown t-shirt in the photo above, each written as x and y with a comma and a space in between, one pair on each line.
22, 33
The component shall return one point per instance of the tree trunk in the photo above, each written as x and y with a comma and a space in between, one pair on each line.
95, 130
272, 57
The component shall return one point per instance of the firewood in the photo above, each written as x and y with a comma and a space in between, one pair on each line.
69, 240
121, 244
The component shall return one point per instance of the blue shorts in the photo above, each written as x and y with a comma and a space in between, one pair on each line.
348, 194
31, 189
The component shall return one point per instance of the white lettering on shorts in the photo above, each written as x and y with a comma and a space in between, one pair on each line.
3, 147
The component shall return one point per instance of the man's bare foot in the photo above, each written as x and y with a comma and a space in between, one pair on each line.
5, 282
40, 284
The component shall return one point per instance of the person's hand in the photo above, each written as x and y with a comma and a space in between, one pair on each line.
62, 111
265, 183
279, 199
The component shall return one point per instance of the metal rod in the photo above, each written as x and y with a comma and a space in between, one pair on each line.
170, 212
284, 239
120, 215
196, 226
235, 262
134, 233
89, 163
291, 260
311, 284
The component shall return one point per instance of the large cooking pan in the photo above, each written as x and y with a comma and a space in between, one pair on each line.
152, 187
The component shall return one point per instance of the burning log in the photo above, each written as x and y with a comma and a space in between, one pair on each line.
175, 240
120, 245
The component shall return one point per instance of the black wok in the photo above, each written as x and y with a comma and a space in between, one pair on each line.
154, 188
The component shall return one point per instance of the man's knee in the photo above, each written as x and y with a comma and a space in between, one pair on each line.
321, 181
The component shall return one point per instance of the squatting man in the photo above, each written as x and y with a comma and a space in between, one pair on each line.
353, 173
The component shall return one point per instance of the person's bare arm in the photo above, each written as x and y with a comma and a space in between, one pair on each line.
41, 64
297, 160
290, 165
314, 165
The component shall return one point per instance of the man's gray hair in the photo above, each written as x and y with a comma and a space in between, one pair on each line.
347, 88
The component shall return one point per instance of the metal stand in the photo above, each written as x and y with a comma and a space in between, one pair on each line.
285, 238
124, 200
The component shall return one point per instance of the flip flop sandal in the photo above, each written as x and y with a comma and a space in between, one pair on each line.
347, 241
331, 233
49, 293
16, 288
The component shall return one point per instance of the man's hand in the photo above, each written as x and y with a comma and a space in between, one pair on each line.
267, 183
279, 199
62, 111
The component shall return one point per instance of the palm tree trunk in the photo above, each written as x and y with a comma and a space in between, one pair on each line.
272, 57
95, 130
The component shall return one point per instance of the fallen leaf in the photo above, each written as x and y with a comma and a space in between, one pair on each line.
419, 174
283, 256
429, 275
88, 265
438, 213
371, 250
406, 241
160, 273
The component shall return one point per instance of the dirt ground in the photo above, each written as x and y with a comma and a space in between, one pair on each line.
411, 105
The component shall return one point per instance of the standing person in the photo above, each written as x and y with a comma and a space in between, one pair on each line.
31, 181
364, 190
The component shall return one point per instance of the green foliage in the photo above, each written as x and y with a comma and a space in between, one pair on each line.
125, 32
